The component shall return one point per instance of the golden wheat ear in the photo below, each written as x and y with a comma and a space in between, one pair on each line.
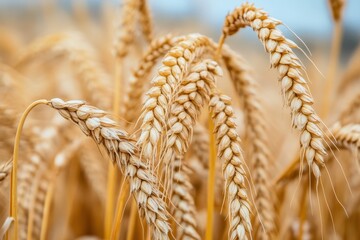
256, 132
122, 150
137, 85
293, 85
229, 153
164, 84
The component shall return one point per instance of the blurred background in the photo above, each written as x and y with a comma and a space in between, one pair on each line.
310, 20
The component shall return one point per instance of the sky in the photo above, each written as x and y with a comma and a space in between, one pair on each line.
310, 16
300, 15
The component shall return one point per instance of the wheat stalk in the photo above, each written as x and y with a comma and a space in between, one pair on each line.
93, 122
158, 48
183, 208
146, 20
165, 83
293, 85
260, 153
229, 152
194, 91
125, 32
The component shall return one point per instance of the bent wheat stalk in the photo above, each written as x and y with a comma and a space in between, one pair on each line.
122, 150
293, 85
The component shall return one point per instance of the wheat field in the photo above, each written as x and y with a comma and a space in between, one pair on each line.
112, 128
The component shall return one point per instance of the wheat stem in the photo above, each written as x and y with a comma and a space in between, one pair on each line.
13, 184
211, 182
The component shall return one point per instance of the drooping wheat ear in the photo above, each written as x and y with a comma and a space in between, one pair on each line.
125, 29
122, 150
94, 170
337, 7
347, 136
194, 92
183, 208
165, 83
5, 169
158, 48
293, 85
146, 21
256, 131
229, 152
200, 145
349, 114
82, 58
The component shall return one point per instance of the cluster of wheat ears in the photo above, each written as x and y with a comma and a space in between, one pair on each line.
165, 159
